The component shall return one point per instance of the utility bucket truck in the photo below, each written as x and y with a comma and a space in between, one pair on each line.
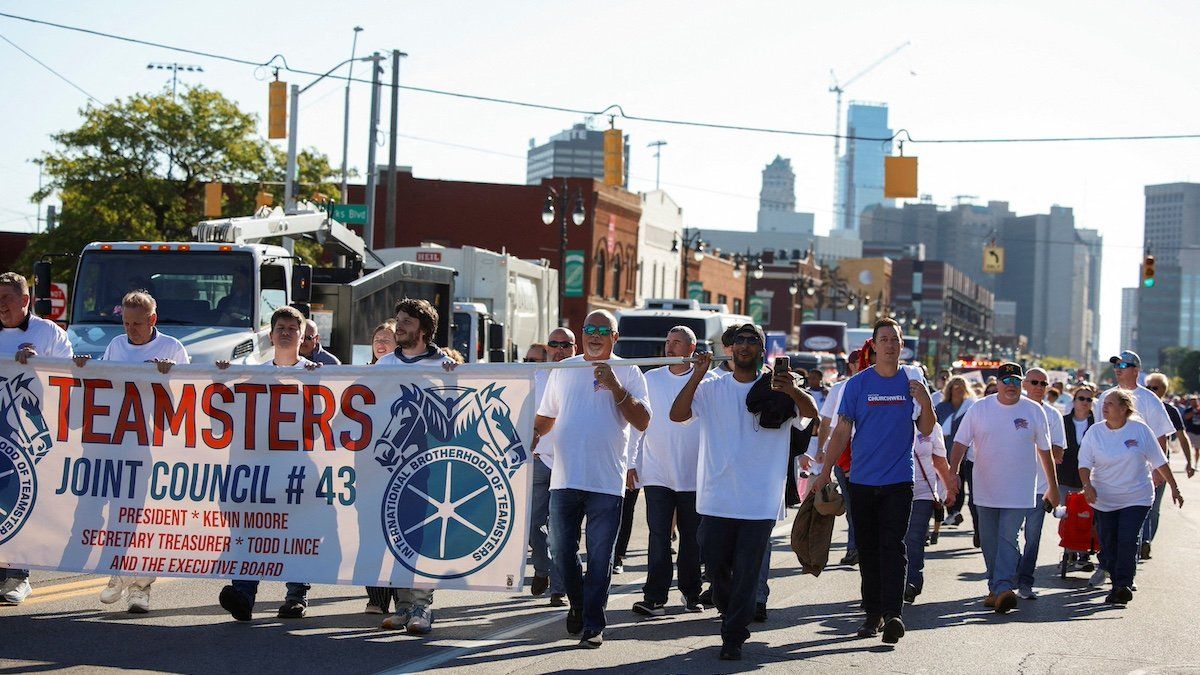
216, 294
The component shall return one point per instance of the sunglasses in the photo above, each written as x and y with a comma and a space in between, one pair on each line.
1038, 383
534, 361
593, 329
560, 344
1011, 381
1123, 366
747, 340
309, 338
1083, 399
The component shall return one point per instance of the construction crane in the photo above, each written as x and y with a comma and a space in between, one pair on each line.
838, 88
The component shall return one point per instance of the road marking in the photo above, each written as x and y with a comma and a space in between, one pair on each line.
434, 660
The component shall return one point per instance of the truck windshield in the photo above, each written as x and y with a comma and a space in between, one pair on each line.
658, 326
200, 287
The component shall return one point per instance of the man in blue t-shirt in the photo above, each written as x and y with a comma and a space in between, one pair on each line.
878, 410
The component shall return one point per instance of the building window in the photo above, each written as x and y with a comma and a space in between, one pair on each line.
737, 305
616, 271
600, 270
722, 299
706, 297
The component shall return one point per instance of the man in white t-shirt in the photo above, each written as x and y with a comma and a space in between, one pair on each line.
666, 470
1036, 386
141, 343
1127, 369
1011, 438
23, 336
237, 598
416, 324
561, 345
591, 410
741, 472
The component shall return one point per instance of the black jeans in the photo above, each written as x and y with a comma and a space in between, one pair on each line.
966, 472
881, 516
733, 553
626, 528
662, 506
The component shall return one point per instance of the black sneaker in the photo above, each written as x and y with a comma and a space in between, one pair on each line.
730, 652
870, 627
292, 609
933, 538
1144, 554
760, 612
575, 620
236, 603
1087, 566
910, 594
592, 640
556, 600
893, 630
538, 586
692, 605
706, 598
1122, 595
958, 519
975, 539
851, 558
647, 608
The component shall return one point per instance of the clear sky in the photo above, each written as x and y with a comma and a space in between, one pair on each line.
974, 70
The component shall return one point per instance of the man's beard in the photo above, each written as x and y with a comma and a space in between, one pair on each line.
750, 363
406, 343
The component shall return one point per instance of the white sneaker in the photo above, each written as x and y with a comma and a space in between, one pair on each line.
16, 590
397, 621
139, 599
373, 609
1097, 578
421, 621
1027, 592
115, 589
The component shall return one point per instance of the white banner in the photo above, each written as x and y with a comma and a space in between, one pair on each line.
405, 477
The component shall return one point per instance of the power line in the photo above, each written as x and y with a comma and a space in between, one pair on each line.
615, 110
53, 71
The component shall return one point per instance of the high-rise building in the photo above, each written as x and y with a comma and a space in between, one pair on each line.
1129, 313
860, 170
577, 152
1169, 312
777, 201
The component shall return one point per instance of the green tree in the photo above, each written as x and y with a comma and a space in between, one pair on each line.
1189, 371
135, 170
1058, 363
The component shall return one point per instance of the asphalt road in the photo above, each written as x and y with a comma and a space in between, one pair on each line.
64, 627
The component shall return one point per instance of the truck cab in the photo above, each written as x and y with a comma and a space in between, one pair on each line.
643, 332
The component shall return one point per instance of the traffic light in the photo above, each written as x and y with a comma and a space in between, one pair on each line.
899, 177
277, 110
614, 158
1148, 272
212, 199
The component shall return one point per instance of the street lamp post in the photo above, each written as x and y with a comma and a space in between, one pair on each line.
346, 118
560, 201
690, 243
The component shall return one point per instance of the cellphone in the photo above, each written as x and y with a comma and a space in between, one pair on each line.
1047, 506
782, 365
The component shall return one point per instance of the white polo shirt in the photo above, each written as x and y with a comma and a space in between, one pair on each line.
42, 334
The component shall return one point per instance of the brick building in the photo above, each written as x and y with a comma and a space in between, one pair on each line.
712, 279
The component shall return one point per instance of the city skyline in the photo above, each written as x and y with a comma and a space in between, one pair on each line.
964, 86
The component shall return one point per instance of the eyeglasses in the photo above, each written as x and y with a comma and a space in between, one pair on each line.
747, 340
592, 329
1083, 399
534, 361
1155, 389
309, 338
1123, 366
1038, 383
560, 344
1011, 381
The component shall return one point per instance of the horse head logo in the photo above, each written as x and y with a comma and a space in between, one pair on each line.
406, 432
21, 420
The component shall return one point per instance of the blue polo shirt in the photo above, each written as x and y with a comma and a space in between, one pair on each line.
882, 411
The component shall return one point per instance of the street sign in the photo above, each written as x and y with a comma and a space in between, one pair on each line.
573, 275
58, 301
695, 291
350, 214
756, 308
993, 260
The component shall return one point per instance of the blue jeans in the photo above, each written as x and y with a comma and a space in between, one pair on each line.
568, 508
844, 486
295, 591
663, 505
1118, 532
13, 573
1033, 538
733, 551
539, 528
1150, 527
914, 542
998, 529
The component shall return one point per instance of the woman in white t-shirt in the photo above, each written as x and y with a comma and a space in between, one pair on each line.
1115, 461
931, 476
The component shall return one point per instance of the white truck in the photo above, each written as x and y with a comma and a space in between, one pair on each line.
643, 331
216, 293
502, 303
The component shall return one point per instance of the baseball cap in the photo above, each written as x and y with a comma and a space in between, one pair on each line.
749, 328
1128, 357
1010, 370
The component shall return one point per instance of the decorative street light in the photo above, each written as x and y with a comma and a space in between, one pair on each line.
559, 201
690, 243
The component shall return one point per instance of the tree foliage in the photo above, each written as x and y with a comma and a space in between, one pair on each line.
135, 169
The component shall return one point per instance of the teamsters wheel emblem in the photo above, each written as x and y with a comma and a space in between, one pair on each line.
447, 510
24, 440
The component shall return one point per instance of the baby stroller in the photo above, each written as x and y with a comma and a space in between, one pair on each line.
1077, 536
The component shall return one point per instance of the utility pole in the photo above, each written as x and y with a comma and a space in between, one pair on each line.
657, 145
373, 137
389, 234
346, 117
